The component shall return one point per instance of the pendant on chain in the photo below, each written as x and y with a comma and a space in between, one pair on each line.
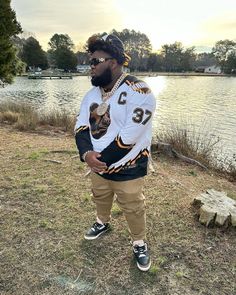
102, 108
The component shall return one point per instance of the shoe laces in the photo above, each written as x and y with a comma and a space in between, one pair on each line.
97, 225
141, 250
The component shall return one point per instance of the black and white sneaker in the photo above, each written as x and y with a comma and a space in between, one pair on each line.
142, 257
96, 230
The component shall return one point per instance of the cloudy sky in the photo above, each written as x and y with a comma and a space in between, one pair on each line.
192, 22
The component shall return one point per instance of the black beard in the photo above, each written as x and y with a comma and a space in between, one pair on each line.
103, 80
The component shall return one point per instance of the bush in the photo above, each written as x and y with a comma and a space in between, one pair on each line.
9, 117
58, 119
24, 117
199, 144
191, 142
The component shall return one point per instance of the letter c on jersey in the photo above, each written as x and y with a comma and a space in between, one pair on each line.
121, 100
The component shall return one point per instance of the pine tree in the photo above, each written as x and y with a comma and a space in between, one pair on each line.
9, 27
33, 54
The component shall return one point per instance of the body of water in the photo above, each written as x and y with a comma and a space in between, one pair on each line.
208, 101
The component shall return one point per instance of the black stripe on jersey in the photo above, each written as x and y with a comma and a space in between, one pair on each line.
115, 151
129, 171
137, 85
130, 79
130, 163
81, 128
83, 140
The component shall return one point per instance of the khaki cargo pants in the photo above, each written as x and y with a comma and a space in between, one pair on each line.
129, 197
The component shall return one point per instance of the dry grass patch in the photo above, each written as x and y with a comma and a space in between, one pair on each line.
24, 117
9, 116
58, 119
199, 144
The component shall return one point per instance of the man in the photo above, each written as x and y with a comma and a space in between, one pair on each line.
113, 136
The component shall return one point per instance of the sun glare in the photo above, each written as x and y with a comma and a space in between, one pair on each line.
157, 84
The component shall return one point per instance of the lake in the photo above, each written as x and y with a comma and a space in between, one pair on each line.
202, 101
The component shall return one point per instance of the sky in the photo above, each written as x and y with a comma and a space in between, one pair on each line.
197, 23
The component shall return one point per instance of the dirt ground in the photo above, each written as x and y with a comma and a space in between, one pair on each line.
45, 208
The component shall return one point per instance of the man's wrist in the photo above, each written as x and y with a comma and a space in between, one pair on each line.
85, 154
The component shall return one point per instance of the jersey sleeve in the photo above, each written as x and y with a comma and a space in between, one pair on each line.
82, 132
140, 109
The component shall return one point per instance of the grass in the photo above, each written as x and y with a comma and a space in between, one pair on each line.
193, 142
58, 119
199, 144
24, 117
45, 208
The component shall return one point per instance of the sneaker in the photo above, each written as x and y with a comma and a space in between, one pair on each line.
96, 230
142, 257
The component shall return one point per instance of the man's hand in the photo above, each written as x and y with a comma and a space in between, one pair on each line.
92, 160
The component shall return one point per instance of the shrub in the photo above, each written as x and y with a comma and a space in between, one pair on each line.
25, 117
199, 144
58, 119
9, 117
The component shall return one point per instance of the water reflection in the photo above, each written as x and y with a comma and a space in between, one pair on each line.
194, 99
157, 84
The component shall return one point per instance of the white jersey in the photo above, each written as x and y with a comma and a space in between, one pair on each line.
127, 124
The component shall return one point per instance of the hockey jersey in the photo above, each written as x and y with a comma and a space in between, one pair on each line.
123, 134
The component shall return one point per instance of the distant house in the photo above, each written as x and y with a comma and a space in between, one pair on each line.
83, 68
213, 70
200, 69
35, 69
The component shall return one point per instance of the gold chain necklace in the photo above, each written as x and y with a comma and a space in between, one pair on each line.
102, 108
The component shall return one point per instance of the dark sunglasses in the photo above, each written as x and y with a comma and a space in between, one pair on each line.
96, 61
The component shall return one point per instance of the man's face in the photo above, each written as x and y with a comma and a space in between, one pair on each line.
101, 72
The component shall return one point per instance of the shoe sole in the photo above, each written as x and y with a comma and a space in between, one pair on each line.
144, 268
95, 237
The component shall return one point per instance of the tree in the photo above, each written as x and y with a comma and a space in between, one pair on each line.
154, 62
230, 65
18, 43
138, 46
61, 54
20, 40
172, 56
176, 58
222, 50
65, 59
82, 54
204, 59
187, 59
59, 41
82, 57
33, 54
10, 64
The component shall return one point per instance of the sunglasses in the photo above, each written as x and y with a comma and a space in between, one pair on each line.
96, 61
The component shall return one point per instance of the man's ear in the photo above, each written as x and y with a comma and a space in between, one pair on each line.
114, 64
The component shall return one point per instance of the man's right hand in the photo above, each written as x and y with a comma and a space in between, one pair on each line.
92, 160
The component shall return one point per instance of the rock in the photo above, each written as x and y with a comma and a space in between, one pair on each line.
216, 208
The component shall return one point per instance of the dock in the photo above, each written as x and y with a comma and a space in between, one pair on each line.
49, 76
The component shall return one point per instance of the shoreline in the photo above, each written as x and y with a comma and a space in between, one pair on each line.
156, 74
